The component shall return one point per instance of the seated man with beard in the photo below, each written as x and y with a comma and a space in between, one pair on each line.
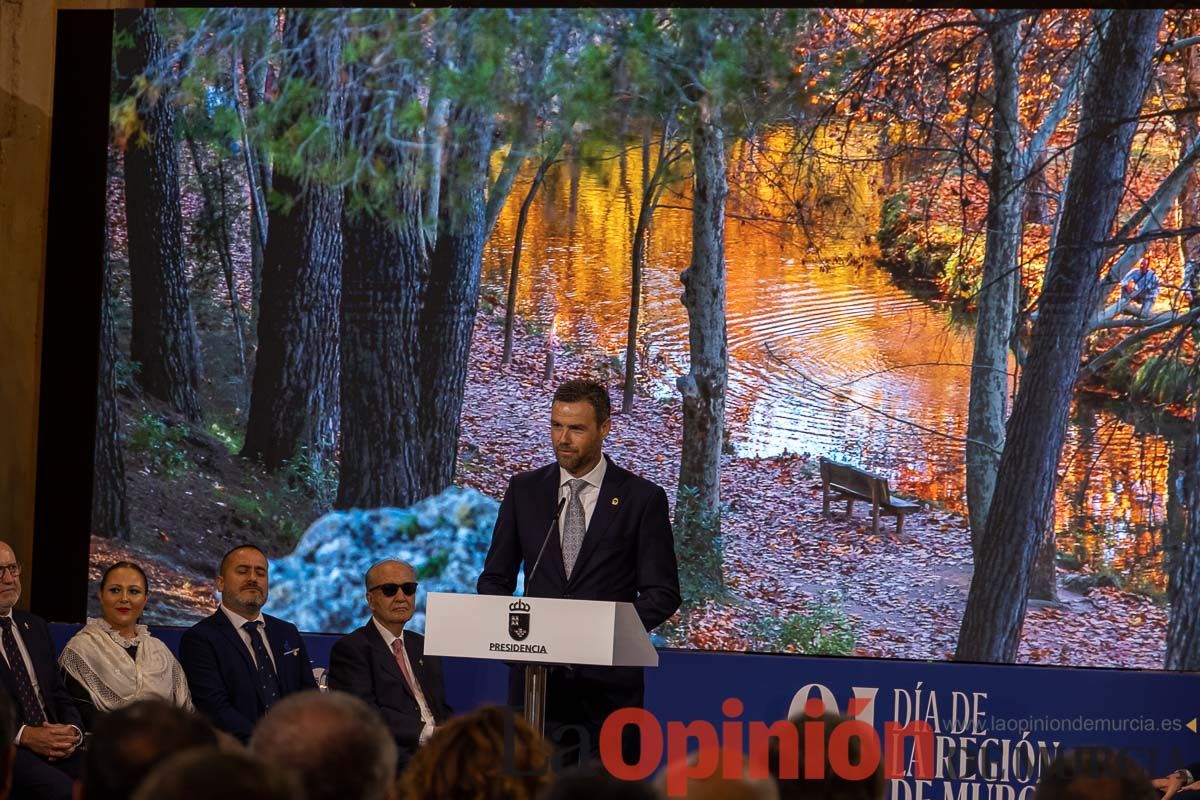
239, 661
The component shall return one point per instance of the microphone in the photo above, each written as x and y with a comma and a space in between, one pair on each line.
553, 525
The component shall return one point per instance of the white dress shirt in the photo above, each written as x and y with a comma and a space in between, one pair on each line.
588, 495
426, 714
238, 621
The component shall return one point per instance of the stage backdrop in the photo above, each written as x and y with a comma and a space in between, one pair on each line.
312, 346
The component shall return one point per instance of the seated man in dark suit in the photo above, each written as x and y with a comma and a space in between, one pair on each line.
386, 665
235, 671
48, 727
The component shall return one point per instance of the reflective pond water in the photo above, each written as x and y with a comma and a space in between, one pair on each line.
828, 355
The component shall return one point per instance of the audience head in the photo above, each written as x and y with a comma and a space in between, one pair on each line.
593, 783
10, 578
579, 422
8, 750
129, 742
786, 764
489, 753
391, 593
715, 786
211, 773
1094, 773
336, 743
243, 580
123, 589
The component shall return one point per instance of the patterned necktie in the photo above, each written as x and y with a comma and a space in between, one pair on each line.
402, 662
574, 525
31, 709
415, 688
266, 670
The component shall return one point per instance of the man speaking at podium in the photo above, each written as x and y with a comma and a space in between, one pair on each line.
611, 541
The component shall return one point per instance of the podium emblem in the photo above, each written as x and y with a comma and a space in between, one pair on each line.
518, 620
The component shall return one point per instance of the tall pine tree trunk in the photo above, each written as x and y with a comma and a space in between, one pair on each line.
294, 398
697, 507
163, 339
258, 168
1043, 581
110, 513
997, 294
1177, 505
1183, 560
385, 269
408, 313
452, 298
1189, 130
1024, 493
382, 273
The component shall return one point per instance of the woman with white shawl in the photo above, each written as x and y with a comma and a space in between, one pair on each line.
113, 660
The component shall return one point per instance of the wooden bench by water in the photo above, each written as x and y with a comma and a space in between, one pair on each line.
852, 483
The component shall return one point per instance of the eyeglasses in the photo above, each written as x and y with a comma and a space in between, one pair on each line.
13, 569
390, 589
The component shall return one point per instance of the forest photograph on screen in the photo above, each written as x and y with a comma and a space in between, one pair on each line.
899, 306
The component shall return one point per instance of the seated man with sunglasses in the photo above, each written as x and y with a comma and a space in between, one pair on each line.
386, 665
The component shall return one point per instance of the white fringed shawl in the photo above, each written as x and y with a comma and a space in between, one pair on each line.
96, 658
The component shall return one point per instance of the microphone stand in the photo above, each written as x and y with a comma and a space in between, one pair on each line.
546, 541
536, 675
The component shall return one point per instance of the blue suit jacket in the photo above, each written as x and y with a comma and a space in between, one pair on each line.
222, 676
628, 553
364, 666
60, 708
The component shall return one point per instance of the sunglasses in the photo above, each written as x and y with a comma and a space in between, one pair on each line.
390, 589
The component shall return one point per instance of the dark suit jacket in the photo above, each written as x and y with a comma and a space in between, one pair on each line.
628, 554
361, 664
35, 634
222, 676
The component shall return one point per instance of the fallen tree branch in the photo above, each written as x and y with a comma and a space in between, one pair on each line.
1140, 322
1171, 320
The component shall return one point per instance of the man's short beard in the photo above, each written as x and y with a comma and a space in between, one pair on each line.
255, 604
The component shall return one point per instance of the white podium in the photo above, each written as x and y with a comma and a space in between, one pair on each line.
539, 631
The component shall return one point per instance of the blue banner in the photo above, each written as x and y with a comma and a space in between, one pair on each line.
994, 728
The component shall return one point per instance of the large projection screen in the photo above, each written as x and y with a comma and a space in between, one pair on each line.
309, 341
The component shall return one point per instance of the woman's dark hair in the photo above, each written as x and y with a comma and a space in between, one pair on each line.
124, 565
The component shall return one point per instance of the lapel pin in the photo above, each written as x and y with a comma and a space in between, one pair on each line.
616, 501
26, 626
